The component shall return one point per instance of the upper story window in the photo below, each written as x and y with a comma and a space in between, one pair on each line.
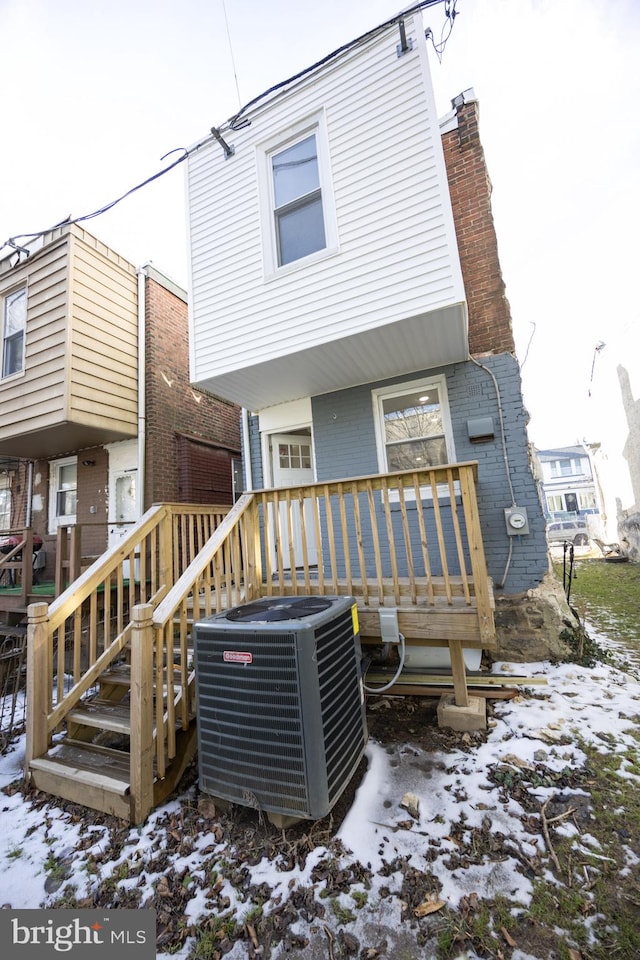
299, 220
298, 217
413, 426
566, 468
14, 324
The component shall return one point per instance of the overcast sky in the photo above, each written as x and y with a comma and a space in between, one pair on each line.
94, 95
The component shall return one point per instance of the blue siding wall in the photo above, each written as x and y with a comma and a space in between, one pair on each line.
345, 447
257, 472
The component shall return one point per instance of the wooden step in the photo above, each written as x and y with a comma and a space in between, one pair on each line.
97, 777
103, 715
120, 675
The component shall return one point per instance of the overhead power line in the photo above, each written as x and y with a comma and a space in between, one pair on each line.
19, 241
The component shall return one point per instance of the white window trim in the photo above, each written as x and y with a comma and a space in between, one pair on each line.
54, 486
398, 390
5, 296
5, 488
316, 123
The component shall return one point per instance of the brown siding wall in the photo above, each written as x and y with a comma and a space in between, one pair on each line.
490, 329
103, 372
173, 407
36, 399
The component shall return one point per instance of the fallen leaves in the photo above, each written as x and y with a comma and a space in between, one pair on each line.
429, 905
411, 803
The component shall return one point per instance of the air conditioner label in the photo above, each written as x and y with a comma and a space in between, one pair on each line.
237, 656
354, 618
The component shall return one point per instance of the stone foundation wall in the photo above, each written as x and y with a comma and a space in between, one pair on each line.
629, 533
529, 625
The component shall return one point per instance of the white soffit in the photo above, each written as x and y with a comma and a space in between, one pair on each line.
423, 342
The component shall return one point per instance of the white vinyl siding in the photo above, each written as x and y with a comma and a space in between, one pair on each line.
397, 256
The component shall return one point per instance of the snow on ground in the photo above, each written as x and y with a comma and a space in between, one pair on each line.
453, 788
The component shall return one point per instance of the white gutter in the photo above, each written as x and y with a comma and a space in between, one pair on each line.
246, 450
142, 369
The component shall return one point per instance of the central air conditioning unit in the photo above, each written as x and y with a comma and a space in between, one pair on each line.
281, 716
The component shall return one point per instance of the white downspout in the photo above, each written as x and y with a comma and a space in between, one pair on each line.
142, 370
29, 493
246, 450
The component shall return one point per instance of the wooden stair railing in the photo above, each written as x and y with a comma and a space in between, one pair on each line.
74, 643
19, 560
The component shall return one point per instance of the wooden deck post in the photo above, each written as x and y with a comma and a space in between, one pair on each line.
476, 555
253, 560
27, 564
75, 553
166, 549
39, 680
141, 735
62, 548
459, 674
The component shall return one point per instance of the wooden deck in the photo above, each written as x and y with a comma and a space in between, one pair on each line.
407, 541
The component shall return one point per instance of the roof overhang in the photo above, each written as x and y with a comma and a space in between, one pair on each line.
422, 342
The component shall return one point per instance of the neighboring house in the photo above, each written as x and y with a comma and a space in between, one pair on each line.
346, 292
567, 482
614, 413
99, 419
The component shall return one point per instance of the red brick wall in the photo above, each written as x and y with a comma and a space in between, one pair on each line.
490, 328
173, 407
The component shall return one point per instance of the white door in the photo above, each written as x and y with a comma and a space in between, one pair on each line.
124, 508
292, 465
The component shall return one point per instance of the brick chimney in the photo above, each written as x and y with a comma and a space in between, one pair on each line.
490, 329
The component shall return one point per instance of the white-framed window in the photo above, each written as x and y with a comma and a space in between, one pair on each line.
555, 503
63, 492
5, 503
14, 325
587, 501
413, 425
298, 215
570, 467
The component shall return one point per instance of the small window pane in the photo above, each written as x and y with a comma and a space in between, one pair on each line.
68, 476
417, 454
66, 501
15, 312
406, 417
300, 232
12, 360
295, 171
295, 456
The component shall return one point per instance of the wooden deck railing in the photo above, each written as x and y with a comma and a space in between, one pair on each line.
75, 638
410, 540
396, 539
16, 564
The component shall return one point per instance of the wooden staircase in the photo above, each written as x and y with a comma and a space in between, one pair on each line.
110, 691
93, 763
